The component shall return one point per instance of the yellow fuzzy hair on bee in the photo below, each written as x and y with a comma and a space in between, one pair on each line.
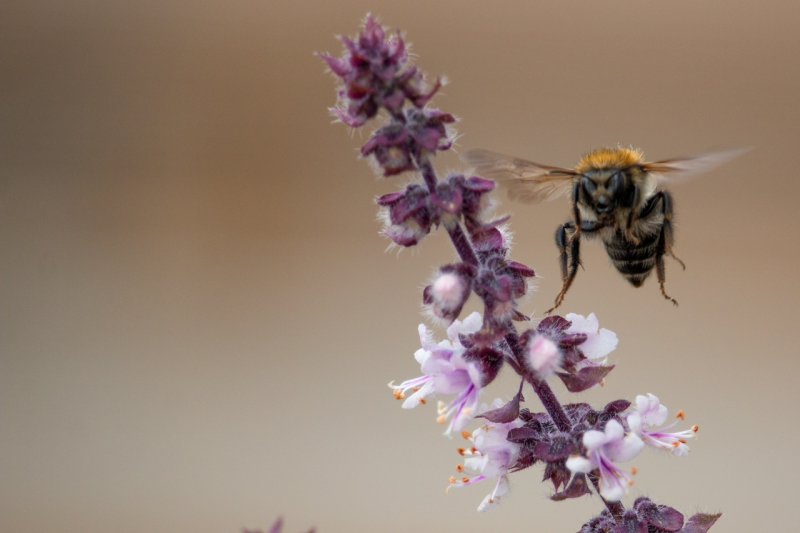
609, 158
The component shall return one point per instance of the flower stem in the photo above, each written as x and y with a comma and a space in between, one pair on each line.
615, 508
460, 240
541, 388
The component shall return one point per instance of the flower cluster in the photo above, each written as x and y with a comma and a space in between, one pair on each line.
373, 75
411, 213
580, 448
648, 517
574, 345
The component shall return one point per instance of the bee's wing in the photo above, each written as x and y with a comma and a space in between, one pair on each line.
675, 170
526, 181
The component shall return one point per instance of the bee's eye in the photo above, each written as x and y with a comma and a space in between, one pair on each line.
589, 185
614, 183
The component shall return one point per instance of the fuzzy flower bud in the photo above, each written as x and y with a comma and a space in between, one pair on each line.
449, 291
543, 356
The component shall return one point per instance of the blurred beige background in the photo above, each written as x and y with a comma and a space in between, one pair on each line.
199, 319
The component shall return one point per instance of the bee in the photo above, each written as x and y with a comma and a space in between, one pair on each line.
616, 197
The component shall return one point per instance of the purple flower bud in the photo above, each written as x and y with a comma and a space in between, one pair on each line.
392, 149
427, 127
406, 216
449, 291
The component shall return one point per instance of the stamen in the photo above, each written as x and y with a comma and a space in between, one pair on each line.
473, 450
695, 428
423, 401
460, 450
491, 500
602, 382
680, 415
466, 434
682, 441
676, 443
451, 479
398, 394
634, 470
630, 483
441, 420
464, 479
415, 389
459, 468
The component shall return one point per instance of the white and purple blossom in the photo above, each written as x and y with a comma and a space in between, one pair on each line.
599, 342
650, 413
491, 456
446, 371
604, 449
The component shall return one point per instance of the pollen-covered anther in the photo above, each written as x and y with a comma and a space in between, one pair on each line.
460, 450
441, 419
676, 443
423, 401
415, 389
634, 470
451, 479
466, 434
695, 428
464, 479
398, 394
473, 450
682, 441
680, 415
630, 483
459, 468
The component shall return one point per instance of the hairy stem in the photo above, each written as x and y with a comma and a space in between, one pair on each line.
457, 235
615, 508
541, 388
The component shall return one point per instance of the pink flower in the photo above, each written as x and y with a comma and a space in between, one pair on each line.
445, 371
650, 413
491, 456
603, 449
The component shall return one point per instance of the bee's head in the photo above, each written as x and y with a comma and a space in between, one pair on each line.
606, 176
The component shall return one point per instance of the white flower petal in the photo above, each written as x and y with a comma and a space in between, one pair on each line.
599, 345
414, 400
614, 431
594, 439
579, 464
627, 449
422, 355
635, 422
611, 489
493, 500
681, 450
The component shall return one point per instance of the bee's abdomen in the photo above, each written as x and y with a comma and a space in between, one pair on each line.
634, 261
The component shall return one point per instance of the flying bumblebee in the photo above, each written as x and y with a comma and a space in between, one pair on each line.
616, 196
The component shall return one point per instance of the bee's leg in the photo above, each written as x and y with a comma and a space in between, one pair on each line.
661, 251
633, 216
576, 212
570, 259
571, 270
561, 242
669, 236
